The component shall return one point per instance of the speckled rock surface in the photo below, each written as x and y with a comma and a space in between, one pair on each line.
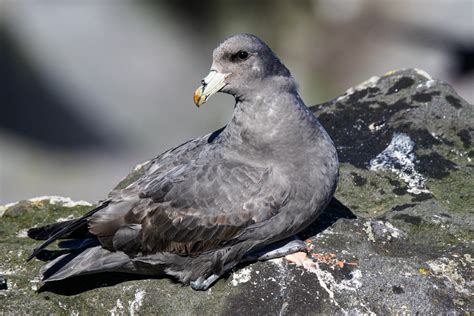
400, 238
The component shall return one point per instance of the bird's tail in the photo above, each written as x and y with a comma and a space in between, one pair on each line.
96, 259
70, 229
84, 261
45, 232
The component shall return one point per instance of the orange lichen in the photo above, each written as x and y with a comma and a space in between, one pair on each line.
331, 260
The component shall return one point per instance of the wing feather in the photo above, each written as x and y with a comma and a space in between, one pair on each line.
191, 199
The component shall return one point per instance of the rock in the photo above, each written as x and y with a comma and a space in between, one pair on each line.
407, 123
398, 238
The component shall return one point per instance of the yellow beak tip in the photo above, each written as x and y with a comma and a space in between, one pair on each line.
198, 97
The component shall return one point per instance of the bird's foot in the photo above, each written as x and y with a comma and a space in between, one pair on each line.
202, 284
292, 248
278, 250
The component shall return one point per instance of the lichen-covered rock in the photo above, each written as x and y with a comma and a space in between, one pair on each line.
416, 128
405, 145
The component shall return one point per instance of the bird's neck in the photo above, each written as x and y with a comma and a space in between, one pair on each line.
269, 123
265, 90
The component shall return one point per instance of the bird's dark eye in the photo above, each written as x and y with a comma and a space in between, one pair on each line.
242, 55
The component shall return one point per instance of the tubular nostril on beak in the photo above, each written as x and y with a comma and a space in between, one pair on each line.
213, 83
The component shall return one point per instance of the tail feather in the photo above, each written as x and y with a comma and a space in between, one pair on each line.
64, 230
45, 232
97, 260
84, 261
79, 243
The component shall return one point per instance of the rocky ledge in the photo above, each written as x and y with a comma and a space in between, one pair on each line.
398, 238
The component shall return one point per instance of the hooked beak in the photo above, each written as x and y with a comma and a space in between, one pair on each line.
213, 83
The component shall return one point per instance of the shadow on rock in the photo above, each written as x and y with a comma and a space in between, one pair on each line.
334, 211
80, 284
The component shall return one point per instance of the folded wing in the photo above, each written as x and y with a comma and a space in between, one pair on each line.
192, 208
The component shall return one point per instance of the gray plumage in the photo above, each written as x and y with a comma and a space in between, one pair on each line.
206, 205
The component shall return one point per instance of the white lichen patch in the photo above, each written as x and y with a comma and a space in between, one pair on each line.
22, 233
328, 282
64, 219
376, 126
241, 276
324, 277
281, 278
423, 73
134, 306
364, 85
54, 199
438, 220
427, 84
59, 200
369, 231
447, 269
384, 230
141, 165
399, 158
118, 309
435, 136
10, 271
393, 231
63, 305
5, 207
468, 258
34, 284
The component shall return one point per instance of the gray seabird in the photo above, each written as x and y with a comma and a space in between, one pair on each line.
236, 195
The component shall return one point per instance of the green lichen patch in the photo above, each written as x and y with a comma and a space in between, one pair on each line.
27, 214
22, 277
368, 193
455, 192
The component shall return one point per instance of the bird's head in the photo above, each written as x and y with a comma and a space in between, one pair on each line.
240, 66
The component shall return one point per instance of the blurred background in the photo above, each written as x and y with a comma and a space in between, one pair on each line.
88, 89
